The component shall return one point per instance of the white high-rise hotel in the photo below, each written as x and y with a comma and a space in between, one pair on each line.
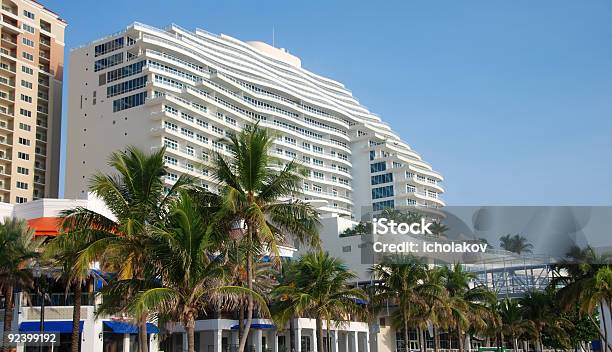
187, 90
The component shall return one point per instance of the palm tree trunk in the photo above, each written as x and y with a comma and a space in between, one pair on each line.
240, 320
8, 310
328, 337
143, 346
460, 335
501, 339
406, 336
243, 338
436, 339
190, 327
320, 336
76, 317
605, 326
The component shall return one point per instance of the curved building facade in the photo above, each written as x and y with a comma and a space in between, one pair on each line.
188, 90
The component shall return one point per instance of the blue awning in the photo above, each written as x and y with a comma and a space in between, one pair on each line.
256, 326
121, 327
360, 301
61, 326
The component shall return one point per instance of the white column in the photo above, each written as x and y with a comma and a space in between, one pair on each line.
314, 340
356, 341
217, 334
126, 342
334, 341
184, 347
257, 334
274, 334
153, 342
347, 337
298, 337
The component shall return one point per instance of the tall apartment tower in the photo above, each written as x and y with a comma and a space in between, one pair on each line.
187, 90
31, 70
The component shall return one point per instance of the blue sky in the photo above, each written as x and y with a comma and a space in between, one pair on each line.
510, 100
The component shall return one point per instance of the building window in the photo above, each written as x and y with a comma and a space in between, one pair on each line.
27, 56
109, 46
25, 126
23, 170
383, 205
372, 154
410, 189
27, 70
21, 185
24, 141
125, 87
384, 178
110, 61
23, 156
170, 160
377, 167
125, 71
28, 14
129, 101
26, 113
27, 42
382, 192
170, 143
27, 28
26, 98
21, 200
26, 84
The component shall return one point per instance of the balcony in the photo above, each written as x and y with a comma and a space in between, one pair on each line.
11, 25
12, 54
9, 41
7, 82
44, 55
43, 82
7, 67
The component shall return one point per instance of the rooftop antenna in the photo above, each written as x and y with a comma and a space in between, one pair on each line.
273, 36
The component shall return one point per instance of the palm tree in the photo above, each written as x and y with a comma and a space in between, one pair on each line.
138, 199
513, 324
539, 308
517, 244
592, 293
258, 197
182, 253
317, 286
468, 305
62, 252
404, 282
578, 287
18, 247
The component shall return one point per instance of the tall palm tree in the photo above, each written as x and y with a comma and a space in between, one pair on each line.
540, 310
138, 199
581, 267
404, 283
18, 248
592, 292
515, 243
468, 305
61, 252
513, 323
317, 286
257, 193
183, 254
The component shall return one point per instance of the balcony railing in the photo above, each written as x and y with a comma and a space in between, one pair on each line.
59, 299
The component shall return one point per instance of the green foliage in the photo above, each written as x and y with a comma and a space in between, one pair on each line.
515, 243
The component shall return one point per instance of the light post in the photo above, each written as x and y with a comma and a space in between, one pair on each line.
41, 289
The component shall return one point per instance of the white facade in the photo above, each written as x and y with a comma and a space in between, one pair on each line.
187, 90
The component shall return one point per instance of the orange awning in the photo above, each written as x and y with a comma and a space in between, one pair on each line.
45, 226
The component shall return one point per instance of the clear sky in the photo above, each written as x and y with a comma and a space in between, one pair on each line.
510, 100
